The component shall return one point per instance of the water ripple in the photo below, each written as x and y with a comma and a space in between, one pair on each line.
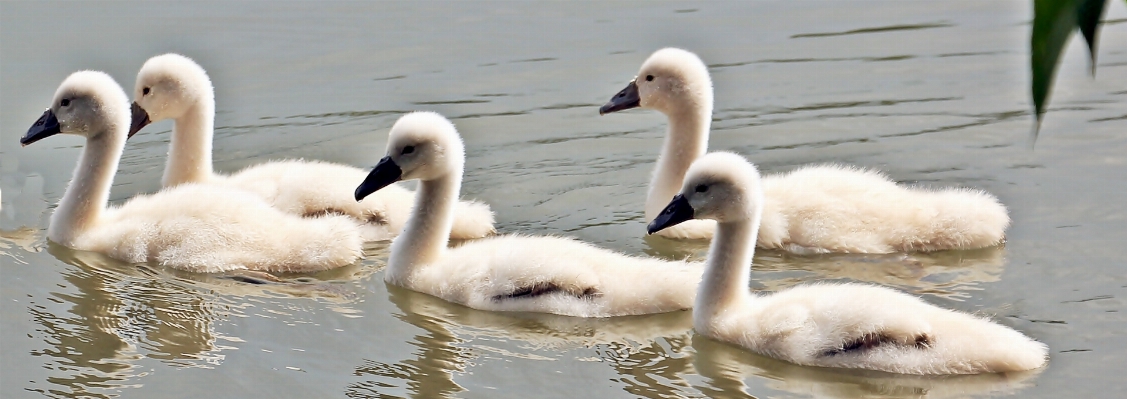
879, 29
396, 77
542, 59
1114, 118
445, 102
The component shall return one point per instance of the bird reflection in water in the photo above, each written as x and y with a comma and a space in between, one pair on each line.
655, 356
947, 274
643, 349
731, 372
113, 315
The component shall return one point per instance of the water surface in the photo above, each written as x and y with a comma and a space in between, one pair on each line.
933, 93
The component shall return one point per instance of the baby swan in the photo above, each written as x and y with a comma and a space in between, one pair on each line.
172, 86
815, 209
829, 325
507, 273
190, 227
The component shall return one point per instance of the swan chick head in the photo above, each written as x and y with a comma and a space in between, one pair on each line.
670, 80
721, 186
167, 87
422, 145
87, 103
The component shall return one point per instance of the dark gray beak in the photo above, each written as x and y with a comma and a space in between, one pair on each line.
384, 174
140, 119
625, 99
46, 126
676, 212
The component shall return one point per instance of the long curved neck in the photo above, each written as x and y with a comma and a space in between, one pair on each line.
89, 190
686, 141
427, 233
728, 271
189, 155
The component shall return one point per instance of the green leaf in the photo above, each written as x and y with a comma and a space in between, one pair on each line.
1053, 24
1088, 16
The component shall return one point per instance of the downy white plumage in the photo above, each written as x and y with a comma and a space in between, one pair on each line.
172, 86
830, 325
190, 227
815, 209
507, 273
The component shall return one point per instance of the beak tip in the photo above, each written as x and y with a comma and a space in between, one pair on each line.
626, 99
46, 126
140, 119
675, 213
384, 174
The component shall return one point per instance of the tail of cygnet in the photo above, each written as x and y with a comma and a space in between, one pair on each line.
472, 219
333, 241
962, 219
279, 244
972, 347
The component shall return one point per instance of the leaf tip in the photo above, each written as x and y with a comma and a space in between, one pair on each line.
1035, 132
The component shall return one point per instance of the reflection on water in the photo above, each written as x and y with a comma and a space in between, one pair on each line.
947, 274
643, 349
117, 314
15, 243
729, 371
430, 374
115, 310
653, 356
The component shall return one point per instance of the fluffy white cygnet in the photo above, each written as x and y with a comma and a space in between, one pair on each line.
821, 208
190, 227
507, 273
830, 325
172, 86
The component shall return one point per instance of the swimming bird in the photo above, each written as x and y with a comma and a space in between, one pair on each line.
512, 272
172, 86
823, 324
816, 208
191, 227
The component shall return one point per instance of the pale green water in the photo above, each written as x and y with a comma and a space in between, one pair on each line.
943, 103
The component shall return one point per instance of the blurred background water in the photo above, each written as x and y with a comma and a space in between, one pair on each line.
933, 93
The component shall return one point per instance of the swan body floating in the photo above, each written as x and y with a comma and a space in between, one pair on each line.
815, 209
829, 325
507, 273
190, 227
172, 86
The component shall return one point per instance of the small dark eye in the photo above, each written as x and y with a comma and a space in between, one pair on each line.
649, 78
408, 149
702, 188
64, 103
145, 91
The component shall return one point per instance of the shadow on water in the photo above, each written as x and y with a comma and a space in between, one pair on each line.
727, 371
